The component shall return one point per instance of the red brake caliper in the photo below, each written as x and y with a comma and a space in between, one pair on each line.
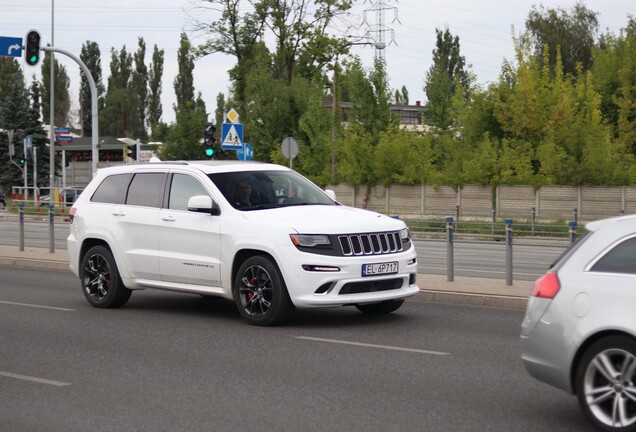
250, 295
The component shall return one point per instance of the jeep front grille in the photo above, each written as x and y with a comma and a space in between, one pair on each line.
370, 244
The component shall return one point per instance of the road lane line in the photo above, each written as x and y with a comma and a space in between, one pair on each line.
366, 345
37, 306
34, 379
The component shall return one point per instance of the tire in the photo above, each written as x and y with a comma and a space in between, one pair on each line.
101, 284
260, 292
385, 307
605, 383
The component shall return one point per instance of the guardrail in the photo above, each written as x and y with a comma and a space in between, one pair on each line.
503, 232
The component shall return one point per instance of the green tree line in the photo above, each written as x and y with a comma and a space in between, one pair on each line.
563, 110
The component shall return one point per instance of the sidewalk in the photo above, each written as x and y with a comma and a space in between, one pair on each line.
477, 291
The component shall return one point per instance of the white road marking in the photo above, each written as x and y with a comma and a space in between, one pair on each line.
37, 306
366, 345
34, 379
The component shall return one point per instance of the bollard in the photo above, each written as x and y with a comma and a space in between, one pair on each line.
534, 215
450, 270
51, 229
494, 221
21, 225
572, 231
622, 212
508, 252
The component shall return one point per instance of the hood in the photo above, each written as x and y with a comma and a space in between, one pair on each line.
326, 219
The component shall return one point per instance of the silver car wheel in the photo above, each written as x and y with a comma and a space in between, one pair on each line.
609, 385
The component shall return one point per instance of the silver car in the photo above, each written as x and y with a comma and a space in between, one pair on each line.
579, 331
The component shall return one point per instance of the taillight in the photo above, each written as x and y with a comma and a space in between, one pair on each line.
547, 286
71, 214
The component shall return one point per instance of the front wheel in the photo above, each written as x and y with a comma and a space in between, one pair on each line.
101, 284
385, 307
260, 292
606, 383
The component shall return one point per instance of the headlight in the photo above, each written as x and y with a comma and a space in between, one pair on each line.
405, 234
310, 240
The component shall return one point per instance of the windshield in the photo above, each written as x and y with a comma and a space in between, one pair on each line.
254, 190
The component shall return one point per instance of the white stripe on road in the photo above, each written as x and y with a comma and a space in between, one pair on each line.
34, 379
366, 345
37, 306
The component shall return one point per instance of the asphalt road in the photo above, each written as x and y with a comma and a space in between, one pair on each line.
472, 259
177, 362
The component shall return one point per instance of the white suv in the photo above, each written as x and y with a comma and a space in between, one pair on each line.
260, 234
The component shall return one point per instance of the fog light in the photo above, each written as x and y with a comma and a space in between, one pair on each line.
412, 261
412, 278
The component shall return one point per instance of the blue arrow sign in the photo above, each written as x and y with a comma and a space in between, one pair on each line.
10, 46
232, 136
245, 153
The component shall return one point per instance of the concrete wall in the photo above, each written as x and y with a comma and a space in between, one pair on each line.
549, 202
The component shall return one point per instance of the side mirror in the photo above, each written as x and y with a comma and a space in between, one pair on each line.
203, 204
331, 194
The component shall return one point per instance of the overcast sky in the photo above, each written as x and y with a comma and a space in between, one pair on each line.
483, 26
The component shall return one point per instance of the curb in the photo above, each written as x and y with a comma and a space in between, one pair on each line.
491, 300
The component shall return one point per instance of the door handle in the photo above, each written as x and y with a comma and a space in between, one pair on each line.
119, 213
168, 218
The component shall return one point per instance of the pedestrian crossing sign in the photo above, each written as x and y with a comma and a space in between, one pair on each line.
232, 136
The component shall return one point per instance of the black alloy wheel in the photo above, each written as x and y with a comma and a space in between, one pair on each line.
260, 292
101, 283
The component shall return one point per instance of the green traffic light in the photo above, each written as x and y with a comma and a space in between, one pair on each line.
33, 59
209, 152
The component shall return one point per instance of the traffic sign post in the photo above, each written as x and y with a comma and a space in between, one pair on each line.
10, 46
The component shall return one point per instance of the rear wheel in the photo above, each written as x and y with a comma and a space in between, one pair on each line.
606, 383
260, 292
381, 308
101, 284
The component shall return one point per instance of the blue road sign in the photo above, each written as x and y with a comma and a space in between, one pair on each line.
245, 153
10, 46
232, 136
62, 130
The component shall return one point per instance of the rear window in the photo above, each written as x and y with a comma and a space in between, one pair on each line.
113, 189
146, 190
620, 259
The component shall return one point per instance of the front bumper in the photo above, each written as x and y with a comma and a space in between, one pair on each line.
347, 286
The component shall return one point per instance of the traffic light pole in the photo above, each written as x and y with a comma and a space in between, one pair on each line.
95, 119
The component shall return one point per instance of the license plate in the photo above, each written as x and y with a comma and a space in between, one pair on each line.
379, 269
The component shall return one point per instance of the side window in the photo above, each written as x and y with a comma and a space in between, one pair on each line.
621, 259
112, 190
182, 188
146, 189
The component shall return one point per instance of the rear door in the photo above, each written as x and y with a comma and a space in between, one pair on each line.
134, 225
189, 242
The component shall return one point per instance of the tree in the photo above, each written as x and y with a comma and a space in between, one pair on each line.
572, 33
62, 99
184, 81
445, 74
118, 116
139, 84
614, 78
155, 74
14, 115
237, 34
219, 112
91, 56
